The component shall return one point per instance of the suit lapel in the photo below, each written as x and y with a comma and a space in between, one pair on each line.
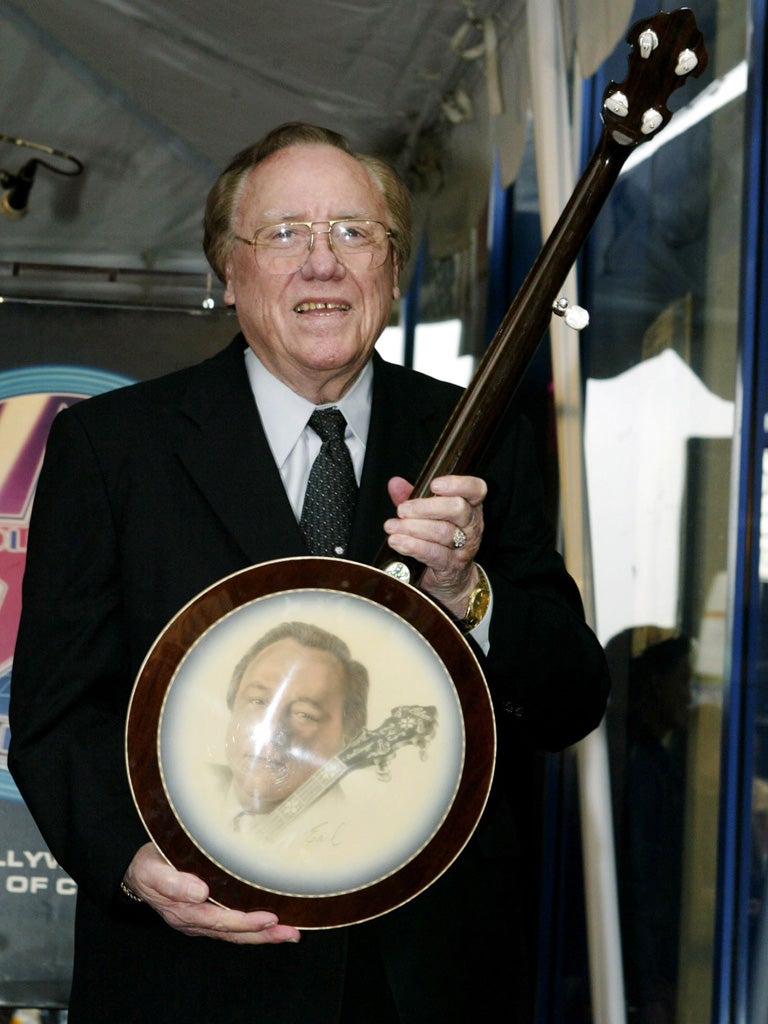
222, 445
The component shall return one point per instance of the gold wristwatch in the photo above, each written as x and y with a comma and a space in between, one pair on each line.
477, 602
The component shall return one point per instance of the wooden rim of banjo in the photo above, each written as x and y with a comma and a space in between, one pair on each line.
666, 50
245, 604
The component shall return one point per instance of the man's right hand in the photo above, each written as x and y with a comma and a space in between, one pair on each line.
182, 901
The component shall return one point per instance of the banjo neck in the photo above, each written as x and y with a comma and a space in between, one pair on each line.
666, 50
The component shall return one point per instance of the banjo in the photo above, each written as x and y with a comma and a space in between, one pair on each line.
376, 821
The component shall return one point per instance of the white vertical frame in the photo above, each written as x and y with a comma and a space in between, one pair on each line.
554, 141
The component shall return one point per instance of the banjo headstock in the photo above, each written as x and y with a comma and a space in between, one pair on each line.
407, 725
666, 50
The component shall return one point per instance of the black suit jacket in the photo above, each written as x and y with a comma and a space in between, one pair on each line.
147, 496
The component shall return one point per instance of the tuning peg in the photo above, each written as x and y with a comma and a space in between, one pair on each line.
686, 62
399, 570
650, 121
575, 316
648, 42
618, 104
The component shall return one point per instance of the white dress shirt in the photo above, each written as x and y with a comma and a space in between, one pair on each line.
285, 418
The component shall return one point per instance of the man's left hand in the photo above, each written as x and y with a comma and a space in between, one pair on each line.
428, 529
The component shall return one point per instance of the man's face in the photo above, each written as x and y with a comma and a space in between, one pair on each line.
316, 327
286, 722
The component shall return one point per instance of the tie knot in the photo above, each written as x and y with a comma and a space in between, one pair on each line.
329, 424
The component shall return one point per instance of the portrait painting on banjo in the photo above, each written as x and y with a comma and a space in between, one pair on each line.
311, 743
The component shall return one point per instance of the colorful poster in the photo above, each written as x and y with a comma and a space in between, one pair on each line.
36, 896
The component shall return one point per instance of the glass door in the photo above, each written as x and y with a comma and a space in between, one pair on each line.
662, 279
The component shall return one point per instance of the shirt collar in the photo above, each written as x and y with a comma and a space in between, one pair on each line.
284, 414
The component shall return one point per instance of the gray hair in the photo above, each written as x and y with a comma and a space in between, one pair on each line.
228, 187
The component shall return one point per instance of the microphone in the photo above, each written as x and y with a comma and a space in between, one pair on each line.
16, 196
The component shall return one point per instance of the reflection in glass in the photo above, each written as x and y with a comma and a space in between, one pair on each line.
662, 286
650, 868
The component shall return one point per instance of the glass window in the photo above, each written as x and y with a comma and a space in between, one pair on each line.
662, 285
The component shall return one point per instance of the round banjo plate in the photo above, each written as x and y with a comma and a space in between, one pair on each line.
327, 794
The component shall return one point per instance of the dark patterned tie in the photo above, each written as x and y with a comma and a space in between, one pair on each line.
329, 503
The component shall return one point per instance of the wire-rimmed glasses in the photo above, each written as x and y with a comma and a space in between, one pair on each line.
284, 248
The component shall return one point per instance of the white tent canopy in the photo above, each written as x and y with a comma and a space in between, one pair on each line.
155, 97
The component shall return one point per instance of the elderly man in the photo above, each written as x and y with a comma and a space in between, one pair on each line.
150, 494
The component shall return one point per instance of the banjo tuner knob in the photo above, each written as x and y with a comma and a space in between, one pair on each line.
575, 316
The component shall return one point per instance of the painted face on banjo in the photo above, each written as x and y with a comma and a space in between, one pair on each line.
287, 720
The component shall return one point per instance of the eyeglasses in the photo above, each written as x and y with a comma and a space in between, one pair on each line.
284, 248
